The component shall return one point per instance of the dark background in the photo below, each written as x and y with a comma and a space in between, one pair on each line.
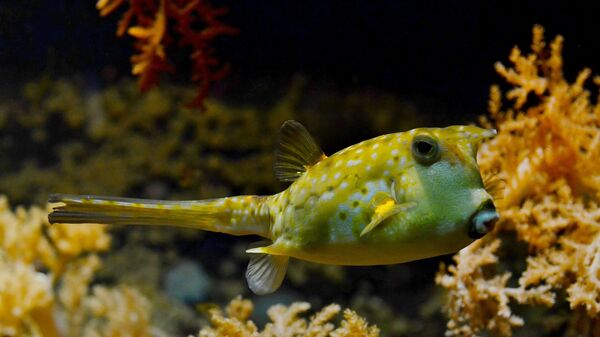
441, 52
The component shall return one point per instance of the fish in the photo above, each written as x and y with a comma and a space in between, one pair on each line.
391, 199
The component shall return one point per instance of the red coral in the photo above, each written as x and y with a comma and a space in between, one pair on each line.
153, 20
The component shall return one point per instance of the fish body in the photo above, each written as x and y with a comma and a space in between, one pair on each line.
391, 199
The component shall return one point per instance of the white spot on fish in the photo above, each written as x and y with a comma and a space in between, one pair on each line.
344, 185
374, 156
327, 196
368, 168
390, 162
355, 196
324, 178
353, 162
337, 176
376, 146
359, 151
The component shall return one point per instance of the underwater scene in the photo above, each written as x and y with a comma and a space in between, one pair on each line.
211, 168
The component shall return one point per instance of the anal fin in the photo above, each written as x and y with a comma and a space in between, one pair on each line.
265, 272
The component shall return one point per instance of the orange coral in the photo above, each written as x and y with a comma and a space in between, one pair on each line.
548, 154
153, 19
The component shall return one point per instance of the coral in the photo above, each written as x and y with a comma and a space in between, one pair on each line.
23, 291
119, 311
33, 262
157, 21
286, 322
547, 154
45, 273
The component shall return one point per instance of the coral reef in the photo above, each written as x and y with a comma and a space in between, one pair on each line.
43, 269
45, 277
547, 154
157, 23
286, 322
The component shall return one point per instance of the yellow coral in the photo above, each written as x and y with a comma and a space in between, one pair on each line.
547, 152
121, 311
72, 240
286, 321
45, 274
23, 290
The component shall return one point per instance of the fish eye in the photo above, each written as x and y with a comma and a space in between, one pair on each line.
425, 149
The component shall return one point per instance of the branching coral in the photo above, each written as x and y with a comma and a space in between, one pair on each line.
45, 273
286, 322
154, 19
33, 260
547, 152
120, 311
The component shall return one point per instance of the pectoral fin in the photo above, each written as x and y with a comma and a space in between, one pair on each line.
384, 206
265, 272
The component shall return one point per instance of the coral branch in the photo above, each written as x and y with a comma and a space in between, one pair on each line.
154, 21
286, 321
548, 153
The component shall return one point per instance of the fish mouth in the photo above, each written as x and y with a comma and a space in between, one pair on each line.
483, 220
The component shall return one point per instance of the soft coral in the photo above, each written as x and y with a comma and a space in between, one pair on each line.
156, 21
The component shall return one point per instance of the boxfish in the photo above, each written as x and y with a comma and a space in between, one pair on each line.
395, 198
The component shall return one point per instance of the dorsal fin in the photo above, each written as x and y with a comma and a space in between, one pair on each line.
296, 152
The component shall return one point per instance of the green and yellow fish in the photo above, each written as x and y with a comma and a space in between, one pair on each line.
391, 199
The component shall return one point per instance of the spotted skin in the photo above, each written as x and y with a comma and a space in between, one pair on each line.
321, 215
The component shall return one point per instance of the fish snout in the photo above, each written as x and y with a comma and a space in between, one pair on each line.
483, 221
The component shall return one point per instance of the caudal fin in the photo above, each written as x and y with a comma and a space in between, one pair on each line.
240, 215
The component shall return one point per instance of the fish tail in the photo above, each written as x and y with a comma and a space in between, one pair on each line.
241, 215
